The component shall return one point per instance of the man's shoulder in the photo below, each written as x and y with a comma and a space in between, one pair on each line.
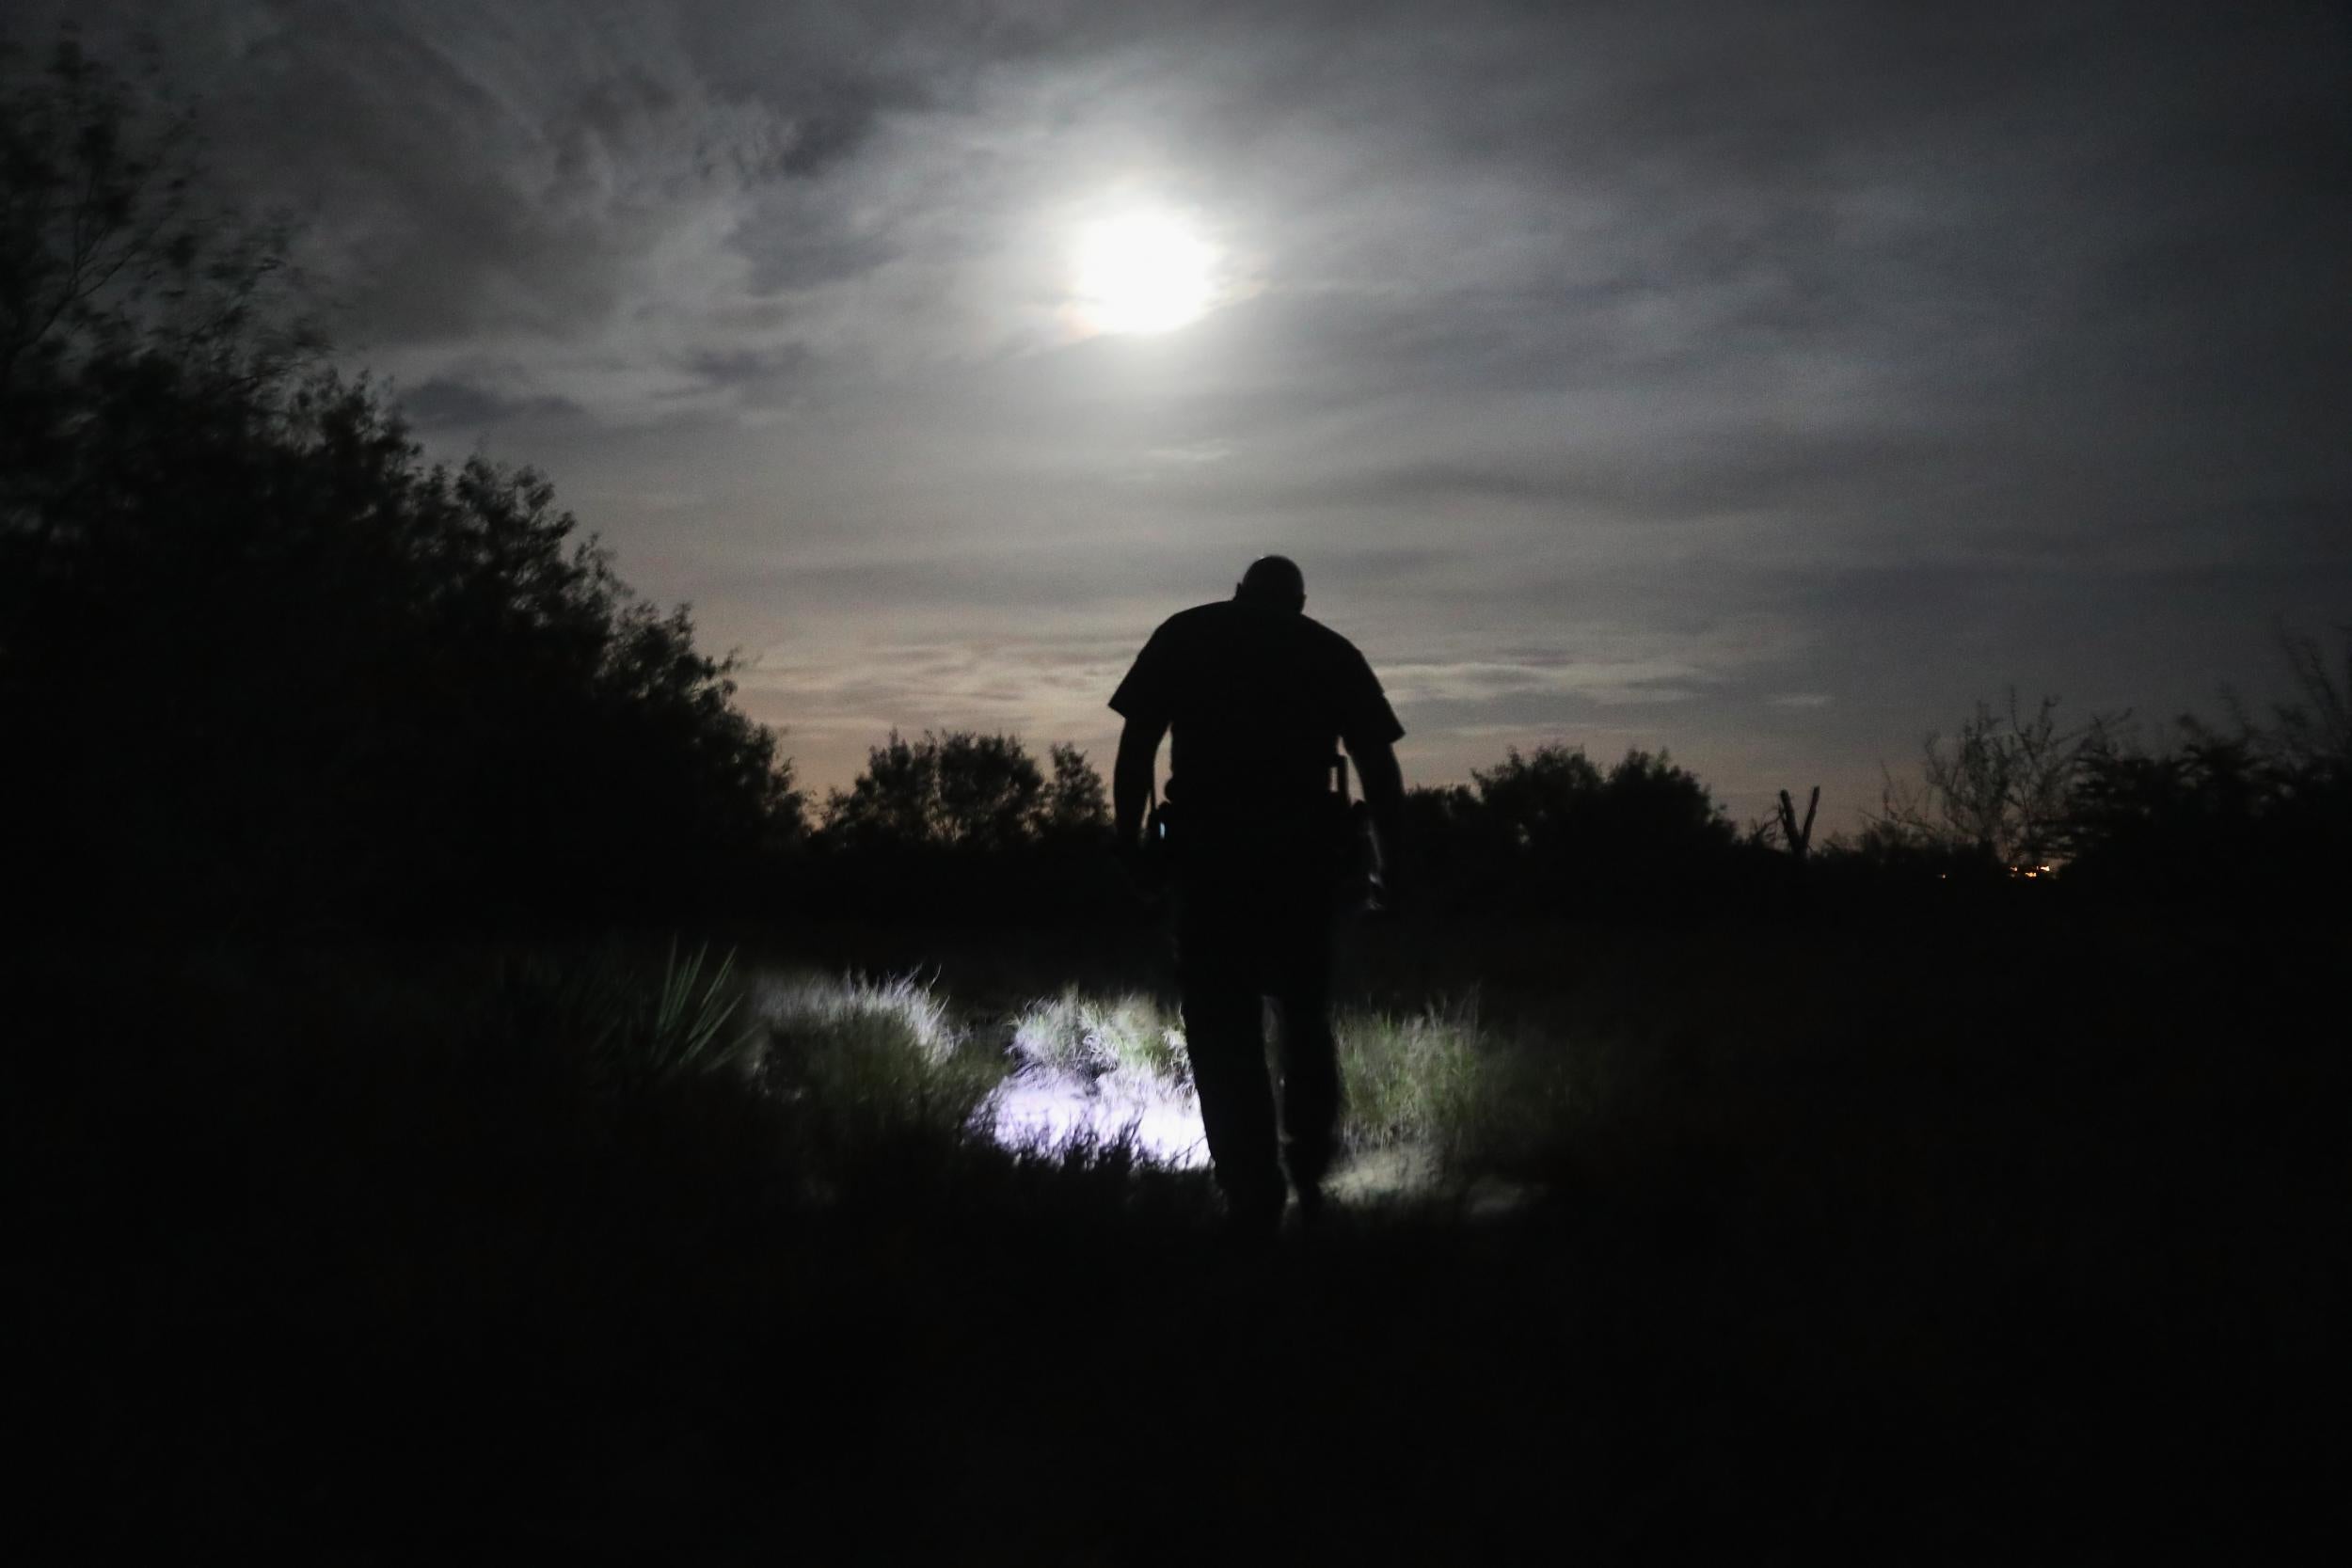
1200, 617
1326, 639
1208, 633
1221, 615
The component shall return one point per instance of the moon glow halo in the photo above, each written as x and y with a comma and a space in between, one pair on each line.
1142, 272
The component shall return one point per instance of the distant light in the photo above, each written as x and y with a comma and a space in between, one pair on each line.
1142, 271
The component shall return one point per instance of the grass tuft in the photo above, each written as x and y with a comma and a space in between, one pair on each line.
1092, 1036
1412, 1078
877, 1056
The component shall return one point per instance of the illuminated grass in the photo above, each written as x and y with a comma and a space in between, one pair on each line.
1096, 1071
1094, 1036
1101, 1070
1411, 1079
872, 1055
896, 1013
1068, 1077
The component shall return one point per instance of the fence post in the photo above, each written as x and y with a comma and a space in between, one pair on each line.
1800, 839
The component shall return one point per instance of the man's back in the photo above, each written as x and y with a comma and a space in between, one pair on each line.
1257, 698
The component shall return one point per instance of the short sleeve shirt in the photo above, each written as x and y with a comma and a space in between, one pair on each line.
1257, 699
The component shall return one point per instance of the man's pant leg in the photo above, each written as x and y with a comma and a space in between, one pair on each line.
1224, 1036
1310, 1054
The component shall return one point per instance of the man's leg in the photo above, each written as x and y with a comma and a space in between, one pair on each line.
1224, 1036
1311, 1067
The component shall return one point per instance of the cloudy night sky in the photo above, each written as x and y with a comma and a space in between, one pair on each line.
1760, 382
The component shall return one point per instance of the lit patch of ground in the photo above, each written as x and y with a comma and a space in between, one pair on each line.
1414, 1173
1101, 1070
1398, 1174
1044, 1107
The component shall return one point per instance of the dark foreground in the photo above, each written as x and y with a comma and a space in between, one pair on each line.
2009, 1248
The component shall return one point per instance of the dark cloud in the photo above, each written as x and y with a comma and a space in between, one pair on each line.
445, 402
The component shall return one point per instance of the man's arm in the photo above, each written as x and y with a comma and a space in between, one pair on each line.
1132, 778
1384, 792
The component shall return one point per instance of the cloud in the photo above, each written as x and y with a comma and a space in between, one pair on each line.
1654, 681
446, 403
1690, 361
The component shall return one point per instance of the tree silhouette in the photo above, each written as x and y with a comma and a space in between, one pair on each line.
965, 791
1550, 831
1075, 807
267, 665
111, 247
2313, 736
2000, 791
2257, 821
990, 794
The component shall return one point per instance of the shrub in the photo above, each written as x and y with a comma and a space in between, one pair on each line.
1550, 831
602, 1022
1412, 1077
1093, 1035
2000, 791
966, 791
273, 667
867, 1058
2254, 822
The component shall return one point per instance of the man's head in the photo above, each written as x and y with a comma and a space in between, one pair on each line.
1274, 581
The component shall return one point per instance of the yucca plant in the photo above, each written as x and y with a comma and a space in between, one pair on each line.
615, 1030
686, 1032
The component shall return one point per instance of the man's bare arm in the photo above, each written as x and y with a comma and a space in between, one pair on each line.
1132, 778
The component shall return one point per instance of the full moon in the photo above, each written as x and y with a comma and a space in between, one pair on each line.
1142, 272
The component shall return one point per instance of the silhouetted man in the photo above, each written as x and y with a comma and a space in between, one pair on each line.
1259, 696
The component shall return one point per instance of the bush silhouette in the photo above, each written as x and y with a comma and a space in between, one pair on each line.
1550, 833
265, 666
966, 791
1998, 794
2254, 822
958, 824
